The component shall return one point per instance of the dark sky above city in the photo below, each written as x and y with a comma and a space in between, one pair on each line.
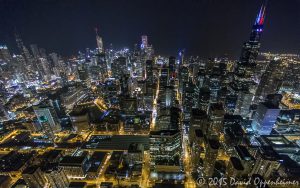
207, 28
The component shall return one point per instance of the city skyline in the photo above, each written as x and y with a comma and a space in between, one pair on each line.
134, 117
204, 28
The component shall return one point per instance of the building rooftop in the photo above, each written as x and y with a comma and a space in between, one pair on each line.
164, 133
116, 155
79, 112
135, 148
292, 168
217, 107
77, 184
112, 142
199, 133
98, 156
236, 163
274, 140
268, 153
72, 160
198, 114
13, 161
214, 144
49, 167
233, 117
243, 153
30, 169
51, 155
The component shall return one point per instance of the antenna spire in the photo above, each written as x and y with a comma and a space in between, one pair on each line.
262, 14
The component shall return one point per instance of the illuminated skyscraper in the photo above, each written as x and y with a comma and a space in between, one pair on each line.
165, 155
243, 103
172, 65
266, 162
83, 72
25, 52
188, 98
4, 54
44, 68
119, 67
99, 42
235, 167
265, 118
211, 154
203, 100
216, 117
149, 71
48, 120
214, 87
55, 176
181, 57
144, 44
33, 177
246, 158
165, 145
74, 166
244, 71
183, 77
270, 80
35, 51
19, 42
250, 49
164, 77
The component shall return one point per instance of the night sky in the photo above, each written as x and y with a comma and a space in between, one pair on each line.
206, 28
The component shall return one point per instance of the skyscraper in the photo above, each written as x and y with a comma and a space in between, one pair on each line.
265, 118
211, 154
56, 176
83, 72
44, 68
149, 71
33, 177
99, 42
48, 119
144, 42
119, 67
266, 162
216, 117
244, 71
250, 49
243, 103
235, 167
203, 100
172, 65
270, 80
4, 54
214, 87
25, 52
35, 51
165, 155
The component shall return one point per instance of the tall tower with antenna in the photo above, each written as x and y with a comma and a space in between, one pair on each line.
247, 61
244, 84
251, 48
